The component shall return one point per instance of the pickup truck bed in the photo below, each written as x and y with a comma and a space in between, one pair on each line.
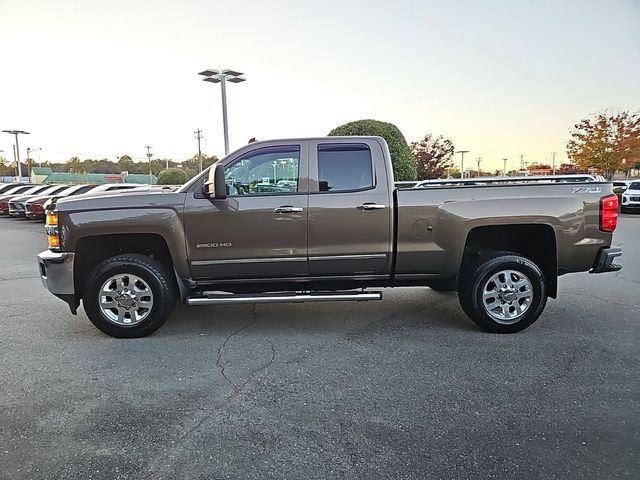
318, 220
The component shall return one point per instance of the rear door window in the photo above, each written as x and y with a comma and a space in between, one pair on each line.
344, 167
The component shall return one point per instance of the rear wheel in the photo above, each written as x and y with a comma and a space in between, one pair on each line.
129, 296
503, 292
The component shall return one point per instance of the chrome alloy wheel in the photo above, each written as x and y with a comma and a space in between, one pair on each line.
125, 299
507, 295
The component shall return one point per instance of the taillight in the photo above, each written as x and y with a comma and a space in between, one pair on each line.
609, 213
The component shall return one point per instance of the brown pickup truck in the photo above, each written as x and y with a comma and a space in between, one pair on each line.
319, 219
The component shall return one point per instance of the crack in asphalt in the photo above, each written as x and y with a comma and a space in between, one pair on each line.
3, 279
224, 344
617, 275
237, 390
633, 307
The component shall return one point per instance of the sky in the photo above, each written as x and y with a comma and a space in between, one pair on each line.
100, 79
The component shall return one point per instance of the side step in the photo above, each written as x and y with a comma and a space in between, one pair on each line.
221, 299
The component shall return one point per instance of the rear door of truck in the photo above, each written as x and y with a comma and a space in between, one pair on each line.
350, 208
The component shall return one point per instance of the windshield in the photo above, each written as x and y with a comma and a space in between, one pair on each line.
634, 186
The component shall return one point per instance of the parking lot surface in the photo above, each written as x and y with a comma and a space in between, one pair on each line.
403, 388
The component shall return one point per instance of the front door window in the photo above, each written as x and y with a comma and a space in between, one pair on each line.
264, 171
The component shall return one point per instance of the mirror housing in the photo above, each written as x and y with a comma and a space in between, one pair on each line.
215, 186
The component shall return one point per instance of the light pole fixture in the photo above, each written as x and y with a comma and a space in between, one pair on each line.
222, 77
462, 152
16, 133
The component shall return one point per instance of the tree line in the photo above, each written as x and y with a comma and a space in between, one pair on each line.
124, 164
602, 143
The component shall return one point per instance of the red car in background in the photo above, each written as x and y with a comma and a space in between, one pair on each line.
19, 191
34, 208
17, 203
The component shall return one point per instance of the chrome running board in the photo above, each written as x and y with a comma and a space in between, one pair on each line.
222, 299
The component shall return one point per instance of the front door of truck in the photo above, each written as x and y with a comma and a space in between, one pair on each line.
350, 208
260, 229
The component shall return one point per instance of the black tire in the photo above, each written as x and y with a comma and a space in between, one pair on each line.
159, 280
477, 274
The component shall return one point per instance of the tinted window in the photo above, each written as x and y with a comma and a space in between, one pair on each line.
344, 167
634, 186
267, 170
82, 190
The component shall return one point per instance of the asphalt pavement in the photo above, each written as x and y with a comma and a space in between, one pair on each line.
403, 388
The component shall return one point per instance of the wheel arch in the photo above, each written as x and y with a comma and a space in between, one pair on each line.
534, 241
91, 250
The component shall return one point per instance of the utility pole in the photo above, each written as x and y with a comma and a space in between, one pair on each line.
198, 133
504, 167
149, 155
17, 148
462, 152
553, 156
521, 161
479, 159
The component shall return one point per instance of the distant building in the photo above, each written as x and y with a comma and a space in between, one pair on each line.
46, 175
40, 174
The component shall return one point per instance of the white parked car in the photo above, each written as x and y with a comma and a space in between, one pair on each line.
631, 197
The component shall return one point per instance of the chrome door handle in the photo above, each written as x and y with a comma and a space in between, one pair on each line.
371, 206
288, 209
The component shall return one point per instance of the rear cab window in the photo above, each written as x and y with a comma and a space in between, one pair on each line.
345, 167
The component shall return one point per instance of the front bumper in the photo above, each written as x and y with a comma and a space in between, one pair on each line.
604, 260
56, 273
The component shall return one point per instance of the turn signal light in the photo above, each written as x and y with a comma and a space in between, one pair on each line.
52, 220
54, 241
609, 213
51, 227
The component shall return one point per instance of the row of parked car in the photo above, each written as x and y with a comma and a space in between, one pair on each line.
24, 200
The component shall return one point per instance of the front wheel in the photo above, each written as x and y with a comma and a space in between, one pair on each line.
503, 292
129, 295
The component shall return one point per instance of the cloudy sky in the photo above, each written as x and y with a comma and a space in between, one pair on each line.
101, 79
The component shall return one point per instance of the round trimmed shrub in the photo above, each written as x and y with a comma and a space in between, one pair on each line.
404, 163
172, 176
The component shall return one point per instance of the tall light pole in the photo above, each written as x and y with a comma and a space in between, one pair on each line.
462, 152
29, 150
479, 159
553, 155
504, 167
222, 77
149, 155
16, 133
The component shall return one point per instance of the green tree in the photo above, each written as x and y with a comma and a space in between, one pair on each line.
194, 162
404, 164
606, 143
433, 156
125, 164
172, 176
75, 165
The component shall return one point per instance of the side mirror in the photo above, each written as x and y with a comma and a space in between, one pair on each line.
215, 186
